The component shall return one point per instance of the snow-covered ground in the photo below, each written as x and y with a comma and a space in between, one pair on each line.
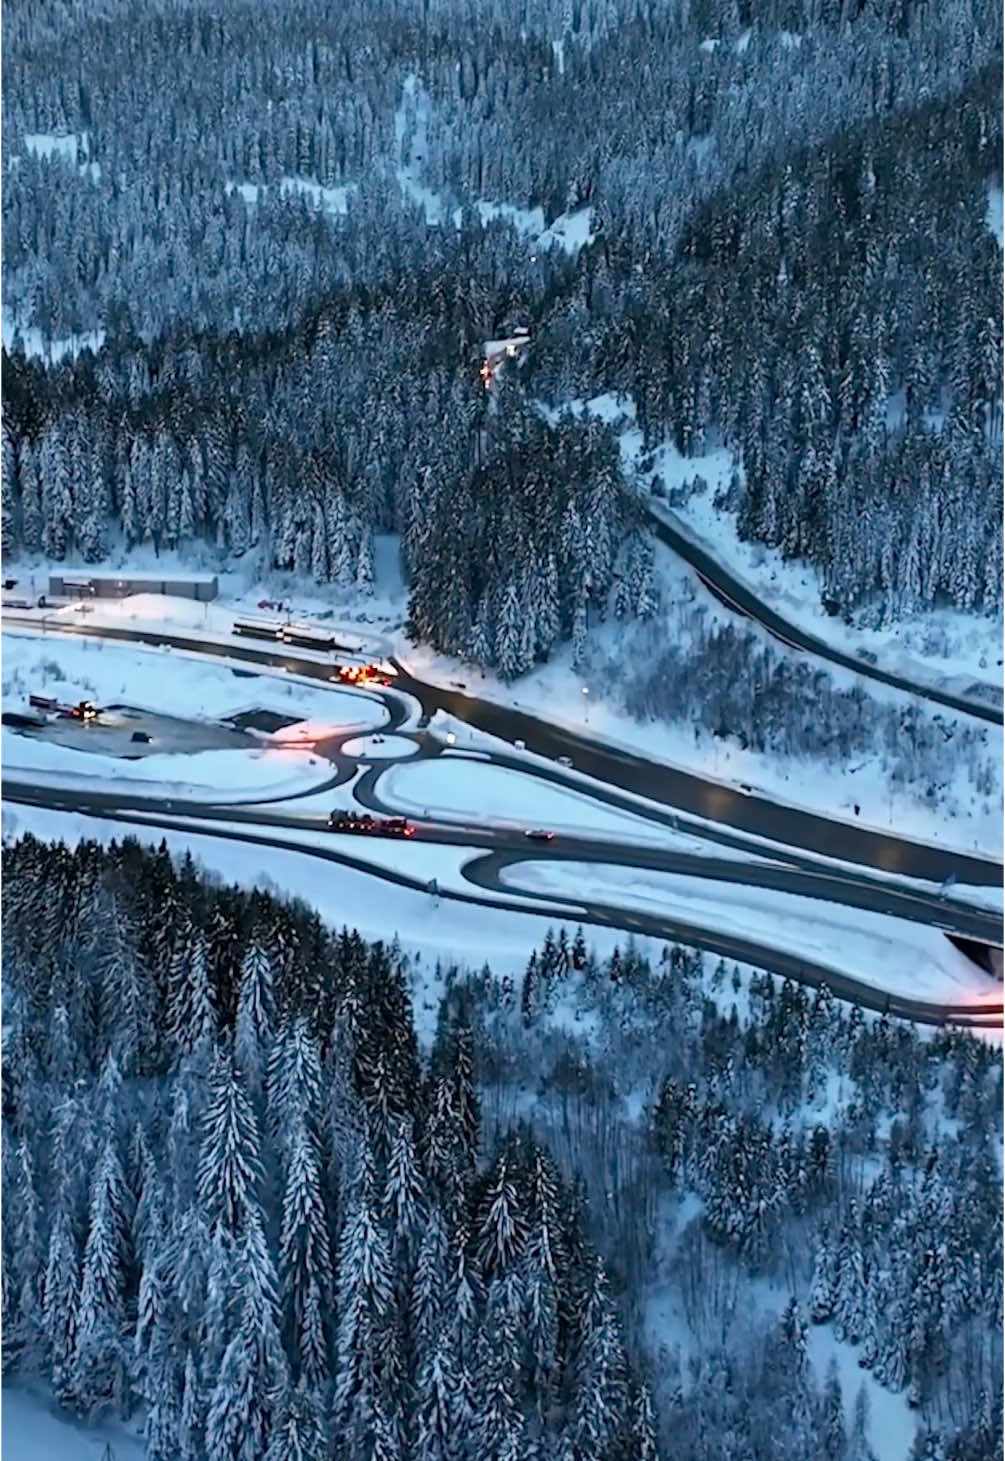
892, 1424
571, 231
455, 788
204, 691
943, 648
995, 215
380, 748
333, 201
32, 1429
904, 958
175, 682
35, 346
213, 776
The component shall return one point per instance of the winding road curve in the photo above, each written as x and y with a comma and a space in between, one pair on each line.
486, 873
781, 868
715, 802
737, 596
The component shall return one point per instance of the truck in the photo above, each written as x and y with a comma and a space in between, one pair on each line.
343, 821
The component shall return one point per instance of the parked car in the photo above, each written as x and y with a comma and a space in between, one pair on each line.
142, 737
539, 834
565, 760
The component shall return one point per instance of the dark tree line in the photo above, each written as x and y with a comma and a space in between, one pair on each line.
790, 236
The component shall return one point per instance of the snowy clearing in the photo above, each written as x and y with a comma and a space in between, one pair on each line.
570, 231
333, 201
995, 215
473, 791
164, 680
67, 146
215, 776
33, 1430
380, 748
888, 953
892, 1423
35, 346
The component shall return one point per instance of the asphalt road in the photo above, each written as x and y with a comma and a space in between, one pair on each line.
682, 790
737, 596
486, 873
796, 875
711, 800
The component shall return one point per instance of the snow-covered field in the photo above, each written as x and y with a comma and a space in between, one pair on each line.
216, 776
380, 748
36, 345
202, 691
173, 682
888, 953
455, 788
31, 1429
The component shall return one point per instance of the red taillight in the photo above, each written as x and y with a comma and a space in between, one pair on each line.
409, 831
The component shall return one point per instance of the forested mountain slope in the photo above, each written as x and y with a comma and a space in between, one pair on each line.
244, 1207
788, 249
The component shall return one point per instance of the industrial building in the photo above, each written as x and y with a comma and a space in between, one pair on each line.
86, 585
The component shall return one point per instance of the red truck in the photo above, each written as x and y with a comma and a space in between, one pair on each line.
341, 821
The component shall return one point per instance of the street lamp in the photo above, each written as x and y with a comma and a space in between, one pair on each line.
586, 704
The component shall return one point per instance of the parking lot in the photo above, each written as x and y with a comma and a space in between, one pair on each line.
112, 735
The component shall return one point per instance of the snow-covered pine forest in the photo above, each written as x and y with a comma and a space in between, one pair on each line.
245, 1208
289, 283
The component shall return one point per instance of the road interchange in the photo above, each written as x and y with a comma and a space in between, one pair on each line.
780, 868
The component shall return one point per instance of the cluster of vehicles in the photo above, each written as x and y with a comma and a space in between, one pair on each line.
361, 675
341, 821
363, 822
306, 636
83, 710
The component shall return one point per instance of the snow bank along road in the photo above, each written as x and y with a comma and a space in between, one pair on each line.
738, 596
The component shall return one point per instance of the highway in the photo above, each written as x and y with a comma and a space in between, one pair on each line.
737, 596
250, 826
684, 791
738, 820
